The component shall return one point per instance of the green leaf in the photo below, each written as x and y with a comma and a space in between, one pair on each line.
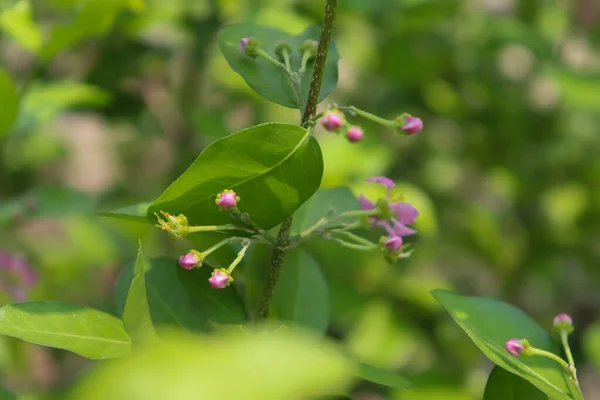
9, 102
382, 376
339, 199
136, 316
491, 323
503, 385
269, 80
136, 212
82, 330
301, 295
284, 364
42, 102
273, 167
182, 298
17, 22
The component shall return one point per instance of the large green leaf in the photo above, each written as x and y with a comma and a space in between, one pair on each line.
490, 323
136, 212
182, 298
284, 364
301, 295
9, 102
136, 316
266, 79
82, 330
273, 167
338, 200
382, 376
503, 385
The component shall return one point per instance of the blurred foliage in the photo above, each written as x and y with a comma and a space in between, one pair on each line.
116, 98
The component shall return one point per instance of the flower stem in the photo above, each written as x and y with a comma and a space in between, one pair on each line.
281, 248
212, 228
211, 249
240, 256
565, 342
537, 352
369, 116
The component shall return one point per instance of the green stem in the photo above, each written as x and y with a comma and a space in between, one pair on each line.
222, 243
537, 352
240, 256
324, 221
357, 239
212, 228
305, 58
293, 79
286, 59
282, 246
369, 116
353, 245
319, 65
565, 342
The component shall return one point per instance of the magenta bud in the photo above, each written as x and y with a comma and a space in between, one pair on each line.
393, 243
355, 134
412, 125
243, 43
332, 121
190, 260
227, 199
220, 279
516, 347
563, 322
382, 180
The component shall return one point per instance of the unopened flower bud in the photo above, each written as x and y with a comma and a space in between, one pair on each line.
409, 124
220, 279
517, 347
393, 243
191, 260
249, 45
227, 200
332, 121
354, 134
310, 47
563, 322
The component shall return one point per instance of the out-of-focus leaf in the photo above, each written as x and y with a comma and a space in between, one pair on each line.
382, 376
82, 330
183, 367
136, 316
9, 103
301, 295
272, 167
18, 23
269, 80
578, 91
491, 323
42, 102
591, 344
503, 385
6, 395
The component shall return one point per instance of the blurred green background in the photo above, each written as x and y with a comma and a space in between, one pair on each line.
119, 96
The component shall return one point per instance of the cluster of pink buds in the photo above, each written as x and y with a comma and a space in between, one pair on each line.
394, 217
334, 121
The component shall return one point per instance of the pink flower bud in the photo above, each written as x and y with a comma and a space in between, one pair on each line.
393, 243
190, 260
227, 200
563, 322
412, 125
332, 121
382, 180
516, 347
220, 279
244, 43
354, 134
